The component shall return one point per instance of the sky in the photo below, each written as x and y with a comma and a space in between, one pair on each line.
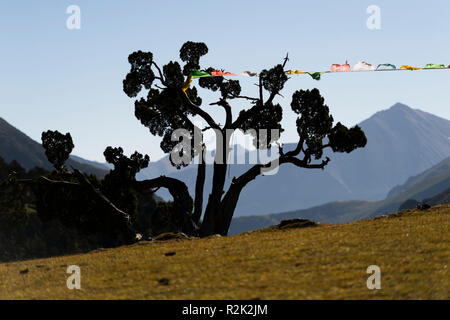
52, 77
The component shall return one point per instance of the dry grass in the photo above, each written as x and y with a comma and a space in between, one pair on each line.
322, 262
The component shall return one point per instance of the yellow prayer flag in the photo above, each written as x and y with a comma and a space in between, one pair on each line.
187, 84
409, 68
295, 72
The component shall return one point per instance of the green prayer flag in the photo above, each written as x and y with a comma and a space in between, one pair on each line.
198, 74
315, 75
434, 66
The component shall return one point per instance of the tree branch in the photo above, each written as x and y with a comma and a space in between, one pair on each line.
161, 77
286, 59
177, 189
275, 93
197, 110
298, 148
261, 97
303, 163
248, 98
124, 218
229, 117
255, 171
47, 181
181, 199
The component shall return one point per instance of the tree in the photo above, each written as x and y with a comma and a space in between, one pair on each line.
118, 184
166, 105
57, 147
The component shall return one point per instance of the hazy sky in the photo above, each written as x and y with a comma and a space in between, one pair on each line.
71, 80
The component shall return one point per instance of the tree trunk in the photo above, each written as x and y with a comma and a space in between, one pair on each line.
229, 203
181, 198
213, 219
231, 198
199, 186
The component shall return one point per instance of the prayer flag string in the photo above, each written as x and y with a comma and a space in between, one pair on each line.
361, 66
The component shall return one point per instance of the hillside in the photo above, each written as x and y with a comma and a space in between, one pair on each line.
15, 145
402, 142
421, 185
319, 262
428, 184
443, 197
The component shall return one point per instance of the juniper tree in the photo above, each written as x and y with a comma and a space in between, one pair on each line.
164, 103
57, 147
117, 185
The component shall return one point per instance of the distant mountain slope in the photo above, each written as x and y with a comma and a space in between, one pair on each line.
431, 186
440, 172
402, 142
99, 165
441, 198
15, 145
425, 185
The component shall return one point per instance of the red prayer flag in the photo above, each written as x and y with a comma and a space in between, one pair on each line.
220, 73
340, 67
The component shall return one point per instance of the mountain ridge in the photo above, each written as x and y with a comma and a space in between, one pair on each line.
402, 142
431, 186
16, 145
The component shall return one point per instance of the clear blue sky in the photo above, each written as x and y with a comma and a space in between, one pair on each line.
71, 80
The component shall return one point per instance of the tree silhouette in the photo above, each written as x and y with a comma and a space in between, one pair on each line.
118, 184
166, 107
57, 147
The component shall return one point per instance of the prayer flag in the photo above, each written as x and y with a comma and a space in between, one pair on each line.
295, 72
386, 66
363, 66
219, 73
248, 74
340, 67
187, 83
315, 75
434, 66
409, 68
198, 74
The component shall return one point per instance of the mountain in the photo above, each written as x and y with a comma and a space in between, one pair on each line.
402, 142
15, 145
99, 165
430, 181
440, 198
431, 186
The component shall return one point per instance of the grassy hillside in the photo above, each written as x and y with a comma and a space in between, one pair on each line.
317, 262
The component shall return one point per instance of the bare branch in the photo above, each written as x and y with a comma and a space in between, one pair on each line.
161, 77
286, 59
198, 111
261, 97
275, 93
248, 98
229, 117
43, 179
304, 164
